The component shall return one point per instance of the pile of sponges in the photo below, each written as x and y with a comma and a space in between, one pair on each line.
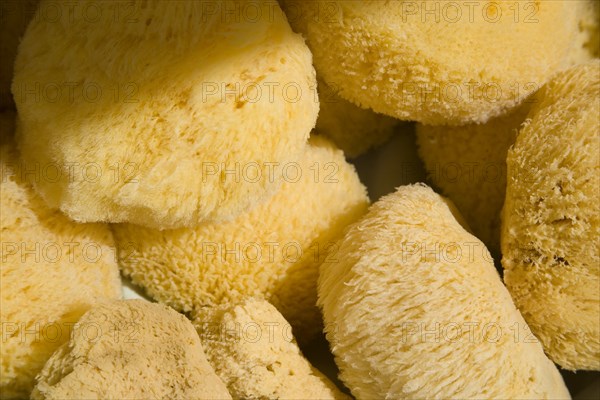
199, 150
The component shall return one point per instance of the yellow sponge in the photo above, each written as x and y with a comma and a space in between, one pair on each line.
551, 223
272, 252
415, 309
252, 349
468, 164
52, 271
442, 62
130, 349
157, 113
353, 129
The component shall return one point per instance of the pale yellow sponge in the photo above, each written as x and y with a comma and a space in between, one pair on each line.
252, 349
14, 16
156, 113
551, 221
414, 309
272, 252
353, 129
468, 164
130, 349
52, 270
442, 62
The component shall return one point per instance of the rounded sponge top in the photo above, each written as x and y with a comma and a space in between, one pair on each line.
149, 117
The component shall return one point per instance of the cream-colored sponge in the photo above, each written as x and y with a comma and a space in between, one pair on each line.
15, 15
158, 117
415, 309
252, 349
551, 222
52, 270
468, 164
130, 349
353, 129
438, 63
272, 252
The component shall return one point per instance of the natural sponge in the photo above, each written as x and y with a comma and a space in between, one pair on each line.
551, 224
414, 309
468, 164
153, 118
52, 270
252, 349
130, 349
353, 129
400, 57
272, 252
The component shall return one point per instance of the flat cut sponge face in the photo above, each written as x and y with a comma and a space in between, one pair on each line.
400, 58
252, 349
414, 309
551, 222
130, 349
272, 252
153, 119
52, 271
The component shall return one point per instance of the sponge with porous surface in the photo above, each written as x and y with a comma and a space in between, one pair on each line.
415, 309
551, 222
130, 349
441, 62
153, 112
271, 252
52, 270
468, 164
353, 129
251, 347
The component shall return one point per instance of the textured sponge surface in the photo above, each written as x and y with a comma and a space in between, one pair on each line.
414, 308
252, 349
353, 129
551, 222
147, 116
272, 252
52, 271
437, 63
468, 164
130, 349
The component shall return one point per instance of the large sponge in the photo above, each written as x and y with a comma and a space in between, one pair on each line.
551, 222
353, 129
400, 57
415, 309
52, 271
468, 164
153, 112
251, 347
130, 349
272, 252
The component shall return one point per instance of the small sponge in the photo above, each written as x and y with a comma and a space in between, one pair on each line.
551, 223
415, 309
439, 63
130, 349
252, 349
272, 252
153, 118
353, 129
468, 164
52, 271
